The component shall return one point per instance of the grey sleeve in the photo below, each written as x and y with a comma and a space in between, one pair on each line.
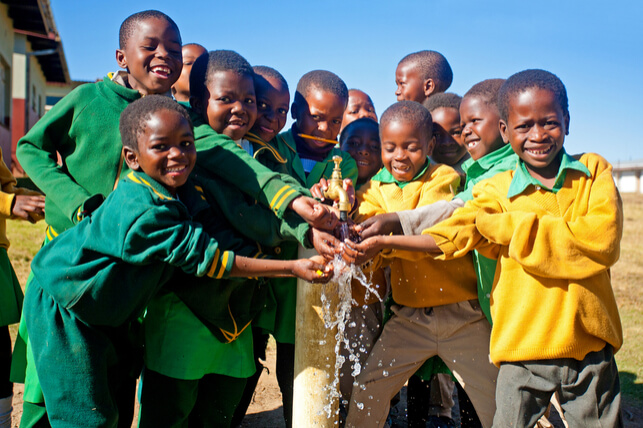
415, 221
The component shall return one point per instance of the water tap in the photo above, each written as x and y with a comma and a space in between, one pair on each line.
336, 190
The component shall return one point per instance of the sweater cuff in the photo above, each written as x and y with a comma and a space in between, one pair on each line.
6, 204
221, 265
283, 196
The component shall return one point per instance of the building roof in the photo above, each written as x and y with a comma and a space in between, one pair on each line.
628, 166
34, 19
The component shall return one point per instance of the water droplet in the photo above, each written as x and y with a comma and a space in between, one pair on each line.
360, 406
385, 373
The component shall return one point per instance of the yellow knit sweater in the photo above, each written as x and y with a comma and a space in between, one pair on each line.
417, 280
552, 296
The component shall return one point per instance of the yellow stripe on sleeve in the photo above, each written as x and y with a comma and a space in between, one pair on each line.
213, 266
283, 199
274, 199
224, 262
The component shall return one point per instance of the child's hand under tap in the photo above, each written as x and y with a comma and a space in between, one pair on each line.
315, 213
315, 269
381, 224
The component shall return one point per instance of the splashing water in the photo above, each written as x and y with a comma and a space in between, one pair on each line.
339, 317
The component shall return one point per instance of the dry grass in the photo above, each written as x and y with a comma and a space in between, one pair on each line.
627, 278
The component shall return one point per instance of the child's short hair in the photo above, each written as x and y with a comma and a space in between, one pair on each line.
527, 79
486, 91
132, 121
129, 25
265, 71
324, 81
366, 122
207, 65
442, 100
432, 65
198, 45
410, 112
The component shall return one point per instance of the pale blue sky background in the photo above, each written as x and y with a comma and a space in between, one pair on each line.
595, 47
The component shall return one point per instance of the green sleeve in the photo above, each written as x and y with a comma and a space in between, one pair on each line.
159, 234
218, 155
252, 220
37, 153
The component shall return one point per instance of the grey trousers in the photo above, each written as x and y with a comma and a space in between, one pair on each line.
589, 391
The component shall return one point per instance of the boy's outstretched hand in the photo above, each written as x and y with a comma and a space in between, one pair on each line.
314, 269
381, 224
360, 253
30, 208
315, 213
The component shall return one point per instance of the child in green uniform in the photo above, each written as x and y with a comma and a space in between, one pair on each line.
92, 280
15, 203
179, 380
318, 109
83, 129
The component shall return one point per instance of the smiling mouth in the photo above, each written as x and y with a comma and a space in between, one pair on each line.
177, 170
266, 130
541, 151
162, 71
237, 123
472, 144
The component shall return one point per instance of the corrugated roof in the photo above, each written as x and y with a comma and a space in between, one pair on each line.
34, 18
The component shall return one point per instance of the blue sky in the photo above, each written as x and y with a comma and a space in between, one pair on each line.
595, 47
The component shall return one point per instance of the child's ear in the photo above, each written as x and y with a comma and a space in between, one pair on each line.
120, 58
429, 87
566, 123
503, 130
431, 145
131, 159
294, 111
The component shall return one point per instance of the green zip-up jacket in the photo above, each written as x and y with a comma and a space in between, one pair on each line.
83, 128
107, 268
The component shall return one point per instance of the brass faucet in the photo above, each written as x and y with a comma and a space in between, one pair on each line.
336, 190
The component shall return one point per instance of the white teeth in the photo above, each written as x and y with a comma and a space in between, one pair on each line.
540, 152
472, 144
161, 69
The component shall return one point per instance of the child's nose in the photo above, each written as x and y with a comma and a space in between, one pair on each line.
536, 133
237, 107
322, 126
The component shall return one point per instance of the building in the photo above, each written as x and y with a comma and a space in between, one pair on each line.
627, 176
32, 61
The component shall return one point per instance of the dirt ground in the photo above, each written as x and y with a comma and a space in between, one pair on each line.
265, 408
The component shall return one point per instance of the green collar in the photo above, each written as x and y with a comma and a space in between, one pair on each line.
488, 160
145, 180
522, 179
385, 176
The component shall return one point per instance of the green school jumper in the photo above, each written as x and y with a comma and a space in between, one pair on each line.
81, 126
94, 279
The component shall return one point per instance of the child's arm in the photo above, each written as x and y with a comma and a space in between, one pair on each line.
364, 251
311, 270
584, 246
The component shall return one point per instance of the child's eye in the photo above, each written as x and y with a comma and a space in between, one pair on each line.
188, 63
457, 132
551, 124
250, 101
159, 147
262, 105
282, 111
315, 117
224, 99
337, 121
186, 143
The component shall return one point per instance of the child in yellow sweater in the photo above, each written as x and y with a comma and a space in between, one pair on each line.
554, 224
436, 310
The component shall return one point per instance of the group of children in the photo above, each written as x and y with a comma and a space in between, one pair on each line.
174, 226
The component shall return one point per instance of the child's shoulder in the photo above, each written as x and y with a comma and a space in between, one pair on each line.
594, 162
